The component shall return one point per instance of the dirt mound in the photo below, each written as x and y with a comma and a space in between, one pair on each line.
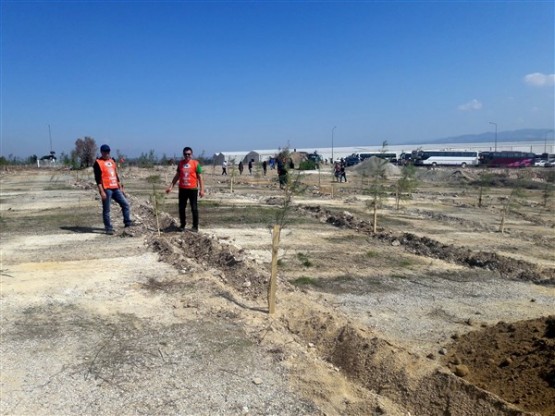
424, 246
515, 361
373, 164
391, 371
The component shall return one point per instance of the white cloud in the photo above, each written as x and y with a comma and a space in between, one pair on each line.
471, 105
539, 80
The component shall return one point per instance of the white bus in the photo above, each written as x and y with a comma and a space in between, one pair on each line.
446, 158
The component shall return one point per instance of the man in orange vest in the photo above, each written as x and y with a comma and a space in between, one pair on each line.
110, 187
191, 185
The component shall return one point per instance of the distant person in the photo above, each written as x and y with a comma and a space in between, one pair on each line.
264, 167
342, 172
224, 168
241, 167
110, 187
272, 163
250, 166
191, 185
337, 171
282, 173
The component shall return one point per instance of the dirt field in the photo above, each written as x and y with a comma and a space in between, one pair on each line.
437, 313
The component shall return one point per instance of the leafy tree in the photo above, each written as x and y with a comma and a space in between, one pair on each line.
147, 160
85, 151
32, 160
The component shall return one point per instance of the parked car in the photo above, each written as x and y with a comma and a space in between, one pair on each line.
540, 162
549, 163
352, 160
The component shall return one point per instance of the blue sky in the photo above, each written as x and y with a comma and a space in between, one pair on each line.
242, 75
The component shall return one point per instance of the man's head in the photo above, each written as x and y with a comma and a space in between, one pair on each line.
187, 152
105, 151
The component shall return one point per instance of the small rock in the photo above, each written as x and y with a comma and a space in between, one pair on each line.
311, 345
461, 370
506, 362
431, 356
257, 381
443, 351
395, 243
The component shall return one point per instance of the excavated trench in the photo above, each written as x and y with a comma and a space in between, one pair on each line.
373, 362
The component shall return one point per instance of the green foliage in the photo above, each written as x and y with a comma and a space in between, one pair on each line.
84, 153
406, 184
547, 194
147, 160
153, 179
303, 258
308, 165
305, 281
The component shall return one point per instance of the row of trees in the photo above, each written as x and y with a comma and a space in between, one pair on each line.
85, 152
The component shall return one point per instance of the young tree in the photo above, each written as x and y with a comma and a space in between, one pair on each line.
405, 186
516, 193
85, 151
484, 182
377, 172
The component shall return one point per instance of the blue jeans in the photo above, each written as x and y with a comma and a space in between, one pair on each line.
117, 196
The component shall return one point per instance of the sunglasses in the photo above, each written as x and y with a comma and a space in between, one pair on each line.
187, 154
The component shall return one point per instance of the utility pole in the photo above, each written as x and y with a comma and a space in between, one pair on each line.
495, 124
332, 131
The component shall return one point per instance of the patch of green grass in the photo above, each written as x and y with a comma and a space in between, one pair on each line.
306, 281
303, 258
154, 179
404, 263
372, 254
343, 279
55, 218
241, 216
58, 187
351, 238
398, 276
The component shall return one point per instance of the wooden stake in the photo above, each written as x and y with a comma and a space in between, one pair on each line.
273, 278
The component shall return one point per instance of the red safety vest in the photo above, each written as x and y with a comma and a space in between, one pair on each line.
109, 173
188, 178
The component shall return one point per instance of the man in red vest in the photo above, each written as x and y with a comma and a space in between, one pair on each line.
110, 187
191, 185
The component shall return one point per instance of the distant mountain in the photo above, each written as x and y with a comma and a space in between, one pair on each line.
502, 136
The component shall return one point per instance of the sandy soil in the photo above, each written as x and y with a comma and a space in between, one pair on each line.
436, 313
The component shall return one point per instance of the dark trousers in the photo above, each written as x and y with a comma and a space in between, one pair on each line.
190, 195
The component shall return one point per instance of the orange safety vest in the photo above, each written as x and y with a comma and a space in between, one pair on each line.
188, 178
109, 173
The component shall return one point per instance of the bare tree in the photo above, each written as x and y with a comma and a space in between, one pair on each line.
85, 151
